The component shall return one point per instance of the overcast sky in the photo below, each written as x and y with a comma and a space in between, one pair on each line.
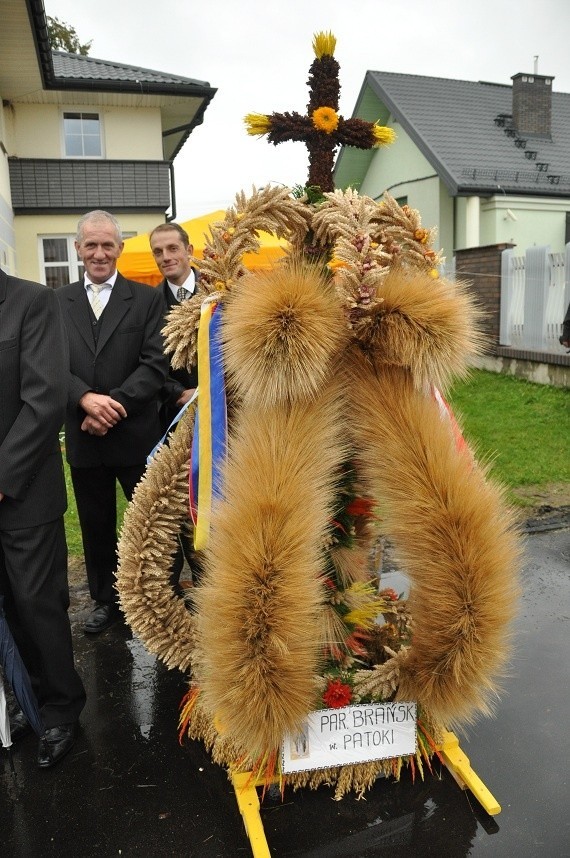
258, 52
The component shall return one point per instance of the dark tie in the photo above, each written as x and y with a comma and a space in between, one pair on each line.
181, 294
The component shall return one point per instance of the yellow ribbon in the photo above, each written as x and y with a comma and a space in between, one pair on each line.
204, 508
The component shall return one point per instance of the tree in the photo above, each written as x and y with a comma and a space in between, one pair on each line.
63, 37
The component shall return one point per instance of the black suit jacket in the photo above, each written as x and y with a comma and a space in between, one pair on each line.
178, 380
33, 393
127, 363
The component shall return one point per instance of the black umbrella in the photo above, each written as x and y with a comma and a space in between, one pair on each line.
16, 674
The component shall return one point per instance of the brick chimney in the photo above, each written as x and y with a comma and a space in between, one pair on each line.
532, 105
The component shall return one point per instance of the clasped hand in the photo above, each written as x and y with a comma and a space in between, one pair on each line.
103, 412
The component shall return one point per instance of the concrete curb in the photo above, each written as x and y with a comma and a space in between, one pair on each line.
548, 518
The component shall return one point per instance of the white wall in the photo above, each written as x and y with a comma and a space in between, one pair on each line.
403, 171
524, 221
128, 133
7, 237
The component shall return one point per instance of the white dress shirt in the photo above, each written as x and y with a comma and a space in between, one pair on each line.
104, 293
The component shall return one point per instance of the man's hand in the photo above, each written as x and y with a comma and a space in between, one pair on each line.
94, 427
185, 396
104, 410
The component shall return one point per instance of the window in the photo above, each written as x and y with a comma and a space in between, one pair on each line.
58, 260
82, 135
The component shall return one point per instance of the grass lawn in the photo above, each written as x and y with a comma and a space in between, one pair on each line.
522, 428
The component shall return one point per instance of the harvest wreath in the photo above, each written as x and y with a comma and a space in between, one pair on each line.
335, 363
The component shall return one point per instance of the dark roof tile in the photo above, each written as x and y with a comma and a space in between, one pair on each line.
76, 67
453, 123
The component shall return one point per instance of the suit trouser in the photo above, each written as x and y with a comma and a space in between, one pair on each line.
185, 551
33, 580
96, 498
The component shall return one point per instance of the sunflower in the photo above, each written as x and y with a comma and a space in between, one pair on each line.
325, 119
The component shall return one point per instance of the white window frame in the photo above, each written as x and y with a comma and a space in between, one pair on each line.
74, 265
82, 111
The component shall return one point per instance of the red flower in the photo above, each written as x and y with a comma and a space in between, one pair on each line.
337, 694
389, 594
360, 506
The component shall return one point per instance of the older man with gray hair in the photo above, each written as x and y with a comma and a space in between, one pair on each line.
117, 369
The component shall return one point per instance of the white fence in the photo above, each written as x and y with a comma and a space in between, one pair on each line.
535, 292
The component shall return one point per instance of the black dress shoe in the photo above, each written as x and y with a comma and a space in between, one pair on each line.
101, 617
20, 727
55, 744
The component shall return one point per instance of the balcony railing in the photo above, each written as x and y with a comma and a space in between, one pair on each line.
51, 185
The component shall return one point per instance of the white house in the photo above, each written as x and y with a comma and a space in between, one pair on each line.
489, 166
78, 133
485, 163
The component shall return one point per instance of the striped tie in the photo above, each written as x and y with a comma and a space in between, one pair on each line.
96, 304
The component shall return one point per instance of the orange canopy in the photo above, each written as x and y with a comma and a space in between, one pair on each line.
137, 263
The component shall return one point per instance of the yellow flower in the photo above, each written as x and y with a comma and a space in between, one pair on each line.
434, 273
383, 135
324, 44
257, 123
336, 263
325, 119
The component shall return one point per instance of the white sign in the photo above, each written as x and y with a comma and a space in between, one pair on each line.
351, 734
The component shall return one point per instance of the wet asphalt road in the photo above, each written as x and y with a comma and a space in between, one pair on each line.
128, 787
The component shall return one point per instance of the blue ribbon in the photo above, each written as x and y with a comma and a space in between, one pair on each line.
218, 419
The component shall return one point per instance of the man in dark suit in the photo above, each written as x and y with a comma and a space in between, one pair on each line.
172, 251
33, 550
171, 248
117, 369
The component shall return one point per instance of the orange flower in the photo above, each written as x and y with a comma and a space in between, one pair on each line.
355, 646
337, 694
337, 263
389, 594
421, 235
325, 119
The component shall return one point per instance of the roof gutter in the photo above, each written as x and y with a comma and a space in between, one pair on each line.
39, 27
172, 216
189, 127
